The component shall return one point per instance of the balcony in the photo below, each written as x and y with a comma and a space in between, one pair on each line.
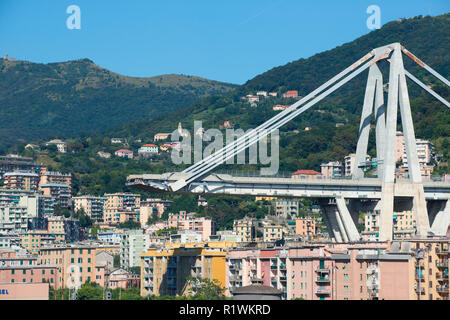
442, 277
283, 278
322, 270
442, 289
422, 290
420, 277
273, 267
322, 291
322, 280
442, 264
282, 266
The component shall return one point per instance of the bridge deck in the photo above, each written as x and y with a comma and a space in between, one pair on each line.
277, 186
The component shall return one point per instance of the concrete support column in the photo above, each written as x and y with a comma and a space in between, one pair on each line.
330, 216
387, 188
387, 211
347, 221
380, 122
420, 210
364, 126
442, 220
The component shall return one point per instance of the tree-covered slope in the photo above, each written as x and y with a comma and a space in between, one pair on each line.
75, 97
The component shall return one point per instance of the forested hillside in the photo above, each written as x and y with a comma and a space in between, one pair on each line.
74, 98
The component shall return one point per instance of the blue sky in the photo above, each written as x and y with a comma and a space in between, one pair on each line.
228, 40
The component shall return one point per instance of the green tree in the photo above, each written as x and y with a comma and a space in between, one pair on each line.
205, 289
90, 291
130, 224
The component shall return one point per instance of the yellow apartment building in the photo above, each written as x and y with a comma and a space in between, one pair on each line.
34, 239
165, 271
429, 268
246, 228
273, 233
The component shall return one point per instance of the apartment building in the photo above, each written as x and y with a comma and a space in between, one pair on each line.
22, 208
76, 262
13, 163
368, 270
349, 163
165, 271
174, 218
430, 269
305, 227
47, 177
133, 244
110, 236
13, 219
286, 207
92, 206
19, 268
32, 240
205, 226
331, 170
21, 180
246, 228
70, 227
273, 233
404, 224
121, 207
60, 193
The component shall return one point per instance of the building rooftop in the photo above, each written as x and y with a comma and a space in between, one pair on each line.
257, 289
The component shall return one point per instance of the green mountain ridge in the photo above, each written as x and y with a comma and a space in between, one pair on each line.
39, 101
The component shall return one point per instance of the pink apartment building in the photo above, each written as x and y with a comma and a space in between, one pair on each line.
369, 270
205, 226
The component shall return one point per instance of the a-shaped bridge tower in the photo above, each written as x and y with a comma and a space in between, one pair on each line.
342, 200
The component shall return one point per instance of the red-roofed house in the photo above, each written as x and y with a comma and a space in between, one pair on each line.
291, 94
305, 174
148, 149
165, 147
124, 153
252, 98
